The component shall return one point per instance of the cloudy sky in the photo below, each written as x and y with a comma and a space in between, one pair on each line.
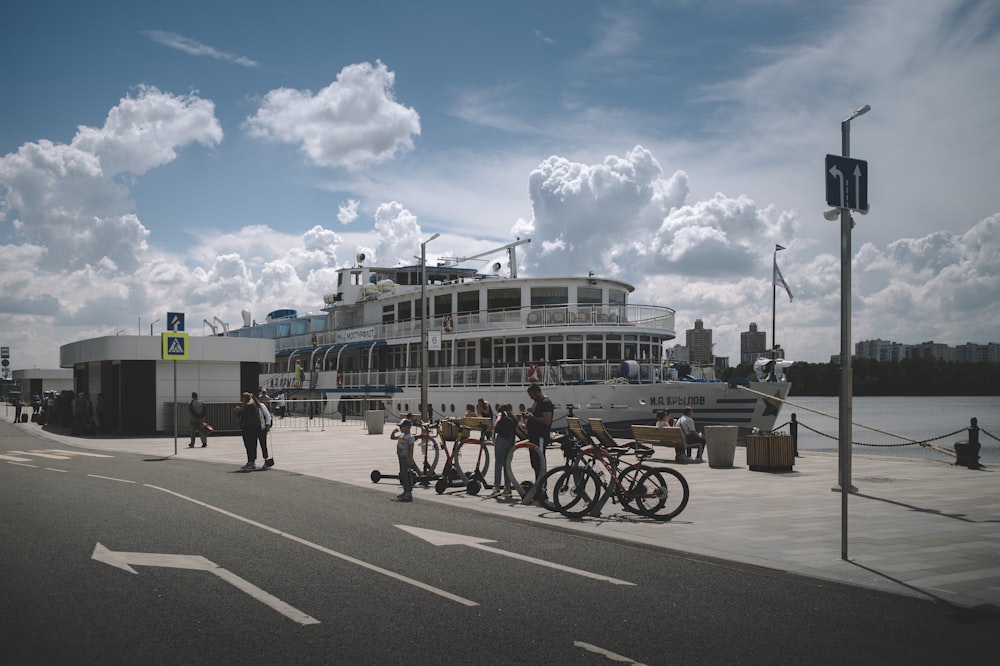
214, 157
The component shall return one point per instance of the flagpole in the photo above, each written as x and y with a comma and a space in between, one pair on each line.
774, 301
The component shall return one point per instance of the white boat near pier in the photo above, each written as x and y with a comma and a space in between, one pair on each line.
490, 336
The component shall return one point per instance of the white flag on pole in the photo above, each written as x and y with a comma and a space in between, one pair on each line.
779, 280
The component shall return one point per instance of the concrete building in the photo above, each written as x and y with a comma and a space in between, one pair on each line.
753, 344
136, 388
35, 381
699, 342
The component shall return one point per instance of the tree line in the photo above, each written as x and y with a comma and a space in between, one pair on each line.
915, 376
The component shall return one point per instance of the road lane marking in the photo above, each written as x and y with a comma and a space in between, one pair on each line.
123, 560
437, 538
606, 653
53, 469
109, 478
80, 453
13, 458
21, 464
323, 549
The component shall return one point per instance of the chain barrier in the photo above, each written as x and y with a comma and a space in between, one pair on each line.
923, 442
989, 434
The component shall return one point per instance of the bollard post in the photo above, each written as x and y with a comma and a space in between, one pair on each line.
793, 428
967, 452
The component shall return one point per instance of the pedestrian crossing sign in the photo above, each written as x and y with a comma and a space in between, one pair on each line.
174, 345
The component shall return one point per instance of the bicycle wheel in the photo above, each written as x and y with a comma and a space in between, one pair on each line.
548, 482
575, 492
472, 457
661, 493
430, 450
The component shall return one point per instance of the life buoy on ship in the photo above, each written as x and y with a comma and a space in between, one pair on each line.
448, 324
340, 379
534, 373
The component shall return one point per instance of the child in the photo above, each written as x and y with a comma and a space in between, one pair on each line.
404, 451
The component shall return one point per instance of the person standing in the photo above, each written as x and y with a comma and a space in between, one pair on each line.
485, 410
250, 427
691, 436
265, 422
404, 452
504, 428
17, 408
538, 422
196, 419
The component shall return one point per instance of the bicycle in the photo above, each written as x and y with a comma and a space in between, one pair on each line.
594, 474
477, 457
475, 454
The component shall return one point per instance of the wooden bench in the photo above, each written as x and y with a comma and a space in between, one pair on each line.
656, 436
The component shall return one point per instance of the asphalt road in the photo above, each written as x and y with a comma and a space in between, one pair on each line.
276, 567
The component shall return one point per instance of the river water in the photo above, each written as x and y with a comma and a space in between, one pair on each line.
921, 418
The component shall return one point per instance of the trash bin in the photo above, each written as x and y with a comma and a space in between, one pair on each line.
375, 420
721, 444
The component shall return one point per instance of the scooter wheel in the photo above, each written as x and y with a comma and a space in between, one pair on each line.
473, 487
376, 475
441, 486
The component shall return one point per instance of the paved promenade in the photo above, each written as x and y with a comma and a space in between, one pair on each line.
926, 529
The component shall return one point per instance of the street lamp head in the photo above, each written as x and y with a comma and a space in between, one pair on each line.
430, 239
832, 214
860, 112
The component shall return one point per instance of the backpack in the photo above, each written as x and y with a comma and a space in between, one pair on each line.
507, 425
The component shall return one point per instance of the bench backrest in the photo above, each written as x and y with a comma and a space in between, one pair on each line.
655, 436
601, 433
575, 428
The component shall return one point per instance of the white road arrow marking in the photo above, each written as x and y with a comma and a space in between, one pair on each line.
124, 560
39, 454
437, 538
14, 458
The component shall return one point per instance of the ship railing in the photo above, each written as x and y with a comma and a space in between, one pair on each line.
389, 381
649, 317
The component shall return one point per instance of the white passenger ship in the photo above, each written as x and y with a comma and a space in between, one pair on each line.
594, 353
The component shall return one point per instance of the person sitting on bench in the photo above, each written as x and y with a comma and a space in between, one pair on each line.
691, 436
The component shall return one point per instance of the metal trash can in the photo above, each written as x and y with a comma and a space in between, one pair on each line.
375, 421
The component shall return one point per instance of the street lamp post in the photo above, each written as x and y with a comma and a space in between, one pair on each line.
151, 326
845, 414
425, 411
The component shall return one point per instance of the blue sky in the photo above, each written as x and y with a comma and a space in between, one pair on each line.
214, 157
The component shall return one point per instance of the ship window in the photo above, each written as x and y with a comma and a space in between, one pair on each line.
549, 296
405, 310
468, 301
588, 295
466, 352
503, 299
616, 297
595, 350
442, 305
388, 313
574, 350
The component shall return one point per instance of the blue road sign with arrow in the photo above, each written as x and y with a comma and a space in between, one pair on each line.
846, 183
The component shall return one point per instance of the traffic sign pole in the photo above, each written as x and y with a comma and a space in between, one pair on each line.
846, 410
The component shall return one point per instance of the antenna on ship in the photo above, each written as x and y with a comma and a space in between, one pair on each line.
509, 247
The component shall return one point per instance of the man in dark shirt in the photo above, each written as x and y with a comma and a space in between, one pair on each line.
538, 422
